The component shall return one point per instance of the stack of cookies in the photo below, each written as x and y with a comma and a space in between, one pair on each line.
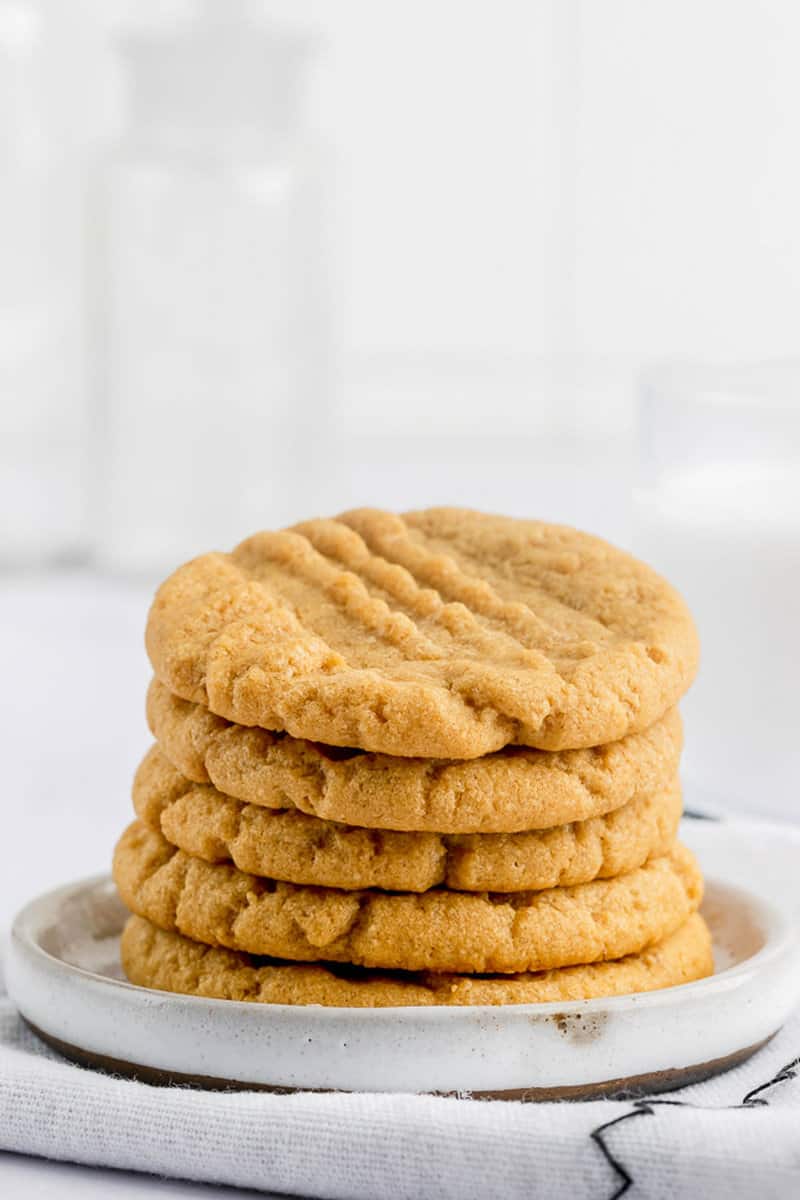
429, 759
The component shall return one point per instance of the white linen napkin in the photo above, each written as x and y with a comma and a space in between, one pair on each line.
734, 1136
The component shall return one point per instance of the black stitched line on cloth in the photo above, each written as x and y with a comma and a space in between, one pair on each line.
597, 1137
786, 1073
640, 1108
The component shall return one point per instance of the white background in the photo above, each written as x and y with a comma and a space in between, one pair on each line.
518, 195
530, 201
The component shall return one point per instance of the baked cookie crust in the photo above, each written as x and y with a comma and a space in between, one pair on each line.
515, 789
445, 633
292, 846
155, 958
439, 930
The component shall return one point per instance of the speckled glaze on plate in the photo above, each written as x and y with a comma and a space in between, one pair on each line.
64, 975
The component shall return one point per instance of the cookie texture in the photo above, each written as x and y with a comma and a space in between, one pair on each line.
291, 846
512, 790
155, 958
437, 930
444, 633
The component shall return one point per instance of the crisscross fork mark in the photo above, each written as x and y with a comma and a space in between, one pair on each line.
442, 571
455, 612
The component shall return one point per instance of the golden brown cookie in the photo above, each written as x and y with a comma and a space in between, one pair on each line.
437, 930
153, 958
289, 845
442, 634
512, 790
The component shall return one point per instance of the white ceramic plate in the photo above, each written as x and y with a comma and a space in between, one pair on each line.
63, 973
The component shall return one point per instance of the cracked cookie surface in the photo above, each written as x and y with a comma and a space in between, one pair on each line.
514, 789
155, 958
291, 846
440, 633
438, 930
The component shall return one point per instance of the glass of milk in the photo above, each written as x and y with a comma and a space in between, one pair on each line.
718, 513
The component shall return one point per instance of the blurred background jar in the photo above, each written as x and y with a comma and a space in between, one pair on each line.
212, 276
719, 512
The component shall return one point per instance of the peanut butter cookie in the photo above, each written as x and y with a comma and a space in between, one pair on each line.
154, 958
289, 845
512, 790
438, 930
444, 634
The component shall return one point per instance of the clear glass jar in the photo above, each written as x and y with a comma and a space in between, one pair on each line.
213, 291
